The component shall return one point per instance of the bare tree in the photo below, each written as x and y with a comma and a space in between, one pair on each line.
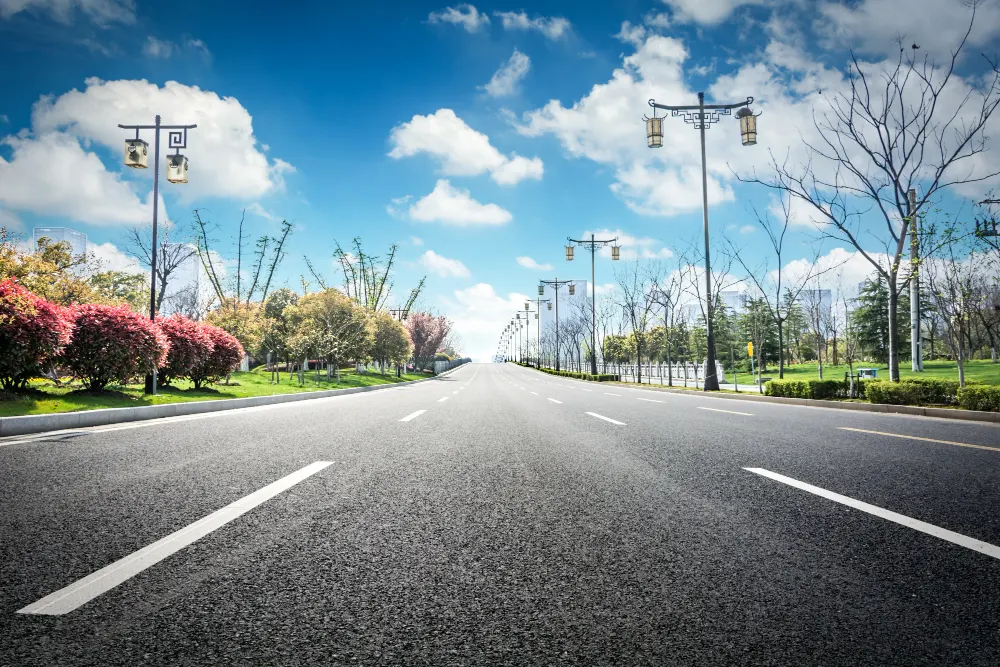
897, 129
636, 300
170, 255
955, 281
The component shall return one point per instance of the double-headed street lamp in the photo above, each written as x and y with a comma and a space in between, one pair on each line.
702, 116
137, 157
556, 284
593, 244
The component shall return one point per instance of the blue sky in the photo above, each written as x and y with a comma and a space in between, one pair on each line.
380, 121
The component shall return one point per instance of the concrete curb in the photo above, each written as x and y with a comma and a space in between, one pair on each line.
941, 413
28, 424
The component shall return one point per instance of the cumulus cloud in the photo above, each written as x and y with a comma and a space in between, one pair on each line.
529, 263
101, 12
461, 150
464, 15
708, 12
443, 266
54, 176
226, 160
165, 48
505, 81
110, 257
454, 206
632, 247
553, 27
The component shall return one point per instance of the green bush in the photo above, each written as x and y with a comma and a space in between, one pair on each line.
979, 397
600, 377
819, 389
913, 391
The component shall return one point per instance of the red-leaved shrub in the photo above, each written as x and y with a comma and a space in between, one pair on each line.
112, 344
190, 347
32, 332
227, 353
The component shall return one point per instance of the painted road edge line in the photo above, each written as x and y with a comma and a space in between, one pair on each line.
901, 519
413, 415
914, 437
80, 592
732, 412
555, 401
607, 419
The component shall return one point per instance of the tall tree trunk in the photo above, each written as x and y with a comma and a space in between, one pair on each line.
893, 331
781, 350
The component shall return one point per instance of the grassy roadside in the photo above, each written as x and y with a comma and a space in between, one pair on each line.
47, 398
983, 371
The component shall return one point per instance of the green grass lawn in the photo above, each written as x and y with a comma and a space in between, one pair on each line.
982, 371
49, 398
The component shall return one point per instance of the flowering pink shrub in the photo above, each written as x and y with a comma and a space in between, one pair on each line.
32, 332
190, 347
227, 353
112, 344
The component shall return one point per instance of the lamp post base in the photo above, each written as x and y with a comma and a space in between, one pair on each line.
150, 386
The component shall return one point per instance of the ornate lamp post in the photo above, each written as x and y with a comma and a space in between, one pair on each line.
593, 244
556, 284
538, 326
137, 157
702, 116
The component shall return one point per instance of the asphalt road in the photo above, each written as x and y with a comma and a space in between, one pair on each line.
513, 518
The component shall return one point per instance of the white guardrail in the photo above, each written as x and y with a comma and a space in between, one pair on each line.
442, 366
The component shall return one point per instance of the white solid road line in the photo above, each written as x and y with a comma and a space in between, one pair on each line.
913, 437
901, 519
555, 401
442, 400
80, 592
732, 412
412, 416
649, 400
607, 419
608, 393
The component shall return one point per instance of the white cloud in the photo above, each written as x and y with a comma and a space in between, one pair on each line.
747, 229
632, 247
262, 212
464, 15
553, 27
158, 48
10, 220
631, 34
461, 150
225, 157
443, 266
800, 213
505, 80
101, 12
4, 119
454, 206
416, 240
111, 258
844, 269
707, 12
396, 204
479, 315
199, 46
529, 263
936, 26
53, 176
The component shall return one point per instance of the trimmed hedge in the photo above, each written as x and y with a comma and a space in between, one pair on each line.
979, 397
913, 391
600, 377
819, 389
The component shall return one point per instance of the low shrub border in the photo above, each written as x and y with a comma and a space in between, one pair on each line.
979, 397
600, 377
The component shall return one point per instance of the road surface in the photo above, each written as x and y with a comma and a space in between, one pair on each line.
498, 516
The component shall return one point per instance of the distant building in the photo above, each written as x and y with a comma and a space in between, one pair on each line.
189, 291
813, 298
733, 300
77, 240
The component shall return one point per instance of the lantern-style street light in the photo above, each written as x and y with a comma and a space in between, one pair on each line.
593, 244
702, 116
137, 157
538, 326
556, 284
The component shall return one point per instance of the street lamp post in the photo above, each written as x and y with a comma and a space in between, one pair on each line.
702, 116
136, 156
556, 284
615, 255
400, 315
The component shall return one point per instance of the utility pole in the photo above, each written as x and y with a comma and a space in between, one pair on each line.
615, 254
916, 353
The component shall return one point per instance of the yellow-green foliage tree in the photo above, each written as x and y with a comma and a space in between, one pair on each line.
391, 343
244, 321
337, 328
